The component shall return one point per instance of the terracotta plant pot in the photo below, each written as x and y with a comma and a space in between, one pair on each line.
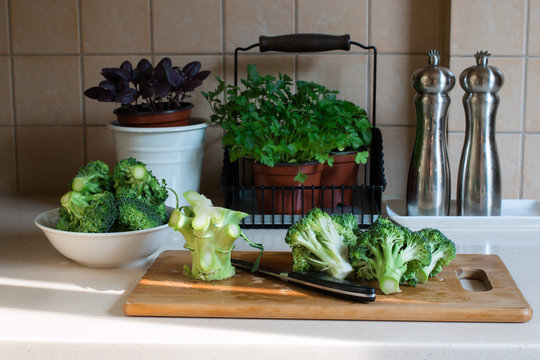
344, 171
286, 201
177, 117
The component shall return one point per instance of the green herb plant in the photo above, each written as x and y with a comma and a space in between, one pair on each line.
268, 122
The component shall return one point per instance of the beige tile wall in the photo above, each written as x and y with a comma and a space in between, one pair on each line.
50, 51
508, 30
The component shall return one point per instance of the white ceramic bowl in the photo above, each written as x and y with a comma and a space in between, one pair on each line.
102, 249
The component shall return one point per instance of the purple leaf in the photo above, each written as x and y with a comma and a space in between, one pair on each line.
128, 68
161, 88
165, 63
94, 92
107, 96
202, 75
144, 69
121, 85
174, 77
147, 90
161, 68
127, 96
115, 74
108, 85
109, 74
191, 69
191, 84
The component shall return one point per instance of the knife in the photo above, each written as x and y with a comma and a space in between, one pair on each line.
316, 280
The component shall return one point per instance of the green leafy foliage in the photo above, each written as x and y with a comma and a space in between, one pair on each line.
266, 121
319, 242
210, 232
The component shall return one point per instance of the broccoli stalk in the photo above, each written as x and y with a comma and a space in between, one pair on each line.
443, 252
209, 232
390, 254
317, 244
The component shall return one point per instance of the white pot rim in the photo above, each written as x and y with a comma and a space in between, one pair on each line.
194, 124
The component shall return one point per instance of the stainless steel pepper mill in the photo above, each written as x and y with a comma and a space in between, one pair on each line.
479, 178
428, 183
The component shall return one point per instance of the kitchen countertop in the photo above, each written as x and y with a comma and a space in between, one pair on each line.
53, 308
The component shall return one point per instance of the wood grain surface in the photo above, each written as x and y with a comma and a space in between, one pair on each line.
165, 291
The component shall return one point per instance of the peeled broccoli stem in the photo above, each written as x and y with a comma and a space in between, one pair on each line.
209, 233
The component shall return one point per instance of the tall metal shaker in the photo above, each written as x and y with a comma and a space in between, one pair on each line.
428, 182
479, 178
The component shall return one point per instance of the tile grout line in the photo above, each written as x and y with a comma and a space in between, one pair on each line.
81, 79
295, 30
524, 101
359, 52
12, 89
370, 60
223, 53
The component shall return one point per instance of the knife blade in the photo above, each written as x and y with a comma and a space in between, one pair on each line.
316, 280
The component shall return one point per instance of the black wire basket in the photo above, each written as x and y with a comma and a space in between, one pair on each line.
288, 204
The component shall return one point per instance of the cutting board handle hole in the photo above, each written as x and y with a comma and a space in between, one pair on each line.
473, 279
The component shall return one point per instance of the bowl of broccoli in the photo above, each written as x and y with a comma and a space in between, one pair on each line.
105, 250
109, 218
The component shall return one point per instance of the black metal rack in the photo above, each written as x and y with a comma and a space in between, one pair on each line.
237, 186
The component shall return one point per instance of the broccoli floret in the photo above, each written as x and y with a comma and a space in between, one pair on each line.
443, 252
136, 214
88, 213
209, 232
347, 226
92, 178
390, 254
132, 179
317, 245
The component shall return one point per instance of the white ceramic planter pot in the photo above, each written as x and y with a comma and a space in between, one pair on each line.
171, 153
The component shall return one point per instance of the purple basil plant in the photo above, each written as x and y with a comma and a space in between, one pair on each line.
148, 89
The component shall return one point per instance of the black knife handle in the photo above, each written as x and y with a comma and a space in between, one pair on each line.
304, 43
336, 287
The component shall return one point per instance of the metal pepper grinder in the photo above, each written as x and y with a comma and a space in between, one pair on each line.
428, 183
479, 178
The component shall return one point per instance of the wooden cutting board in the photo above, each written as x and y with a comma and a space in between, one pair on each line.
165, 291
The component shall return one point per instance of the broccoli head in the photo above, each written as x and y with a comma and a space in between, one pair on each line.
390, 254
317, 244
136, 214
92, 178
443, 252
88, 213
132, 179
347, 226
